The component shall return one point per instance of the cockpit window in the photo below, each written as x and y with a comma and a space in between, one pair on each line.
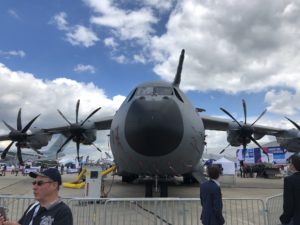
154, 91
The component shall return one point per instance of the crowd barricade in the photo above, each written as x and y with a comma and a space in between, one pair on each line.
152, 211
15, 206
274, 207
244, 211
87, 211
155, 211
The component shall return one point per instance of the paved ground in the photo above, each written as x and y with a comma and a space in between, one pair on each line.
243, 188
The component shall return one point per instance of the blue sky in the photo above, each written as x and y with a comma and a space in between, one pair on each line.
55, 52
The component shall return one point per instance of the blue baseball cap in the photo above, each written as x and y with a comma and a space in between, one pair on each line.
51, 173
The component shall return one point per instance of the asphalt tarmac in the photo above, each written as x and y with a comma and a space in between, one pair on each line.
114, 188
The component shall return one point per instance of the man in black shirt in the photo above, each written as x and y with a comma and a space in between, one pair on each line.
291, 194
49, 209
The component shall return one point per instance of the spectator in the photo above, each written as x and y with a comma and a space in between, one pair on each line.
291, 194
49, 208
211, 199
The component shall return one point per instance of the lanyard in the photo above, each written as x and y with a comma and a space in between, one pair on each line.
35, 211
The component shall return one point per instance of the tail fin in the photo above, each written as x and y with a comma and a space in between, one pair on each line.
177, 78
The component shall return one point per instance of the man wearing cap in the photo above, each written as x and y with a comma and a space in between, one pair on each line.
49, 209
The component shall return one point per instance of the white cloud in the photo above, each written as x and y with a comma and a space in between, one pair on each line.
159, 5
120, 59
238, 45
81, 35
46, 96
60, 20
127, 24
80, 68
110, 42
282, 102
139, 58
13, 53
13, 13
76, 35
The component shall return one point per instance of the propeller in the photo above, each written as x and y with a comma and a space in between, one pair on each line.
18, 135
77, 130
294, 123
246, 130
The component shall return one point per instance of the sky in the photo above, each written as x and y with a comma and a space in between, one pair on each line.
53, 53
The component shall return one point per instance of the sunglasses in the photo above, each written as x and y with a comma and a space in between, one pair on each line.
40, 182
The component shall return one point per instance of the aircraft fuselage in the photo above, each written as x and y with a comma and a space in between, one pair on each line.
160, 134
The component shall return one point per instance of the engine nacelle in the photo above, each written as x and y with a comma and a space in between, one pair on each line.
290, 140
236, 136
38, 140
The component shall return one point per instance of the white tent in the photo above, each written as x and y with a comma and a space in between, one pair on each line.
227, 165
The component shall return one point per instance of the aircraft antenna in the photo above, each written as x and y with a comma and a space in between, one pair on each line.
177, 79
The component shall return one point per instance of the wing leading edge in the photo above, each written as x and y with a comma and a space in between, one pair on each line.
219, 124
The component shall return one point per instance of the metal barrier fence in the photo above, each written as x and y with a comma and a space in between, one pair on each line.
15, 205
244, 211
274, 206
155, 211
152, 211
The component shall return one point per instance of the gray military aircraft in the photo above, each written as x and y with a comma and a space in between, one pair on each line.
157, 133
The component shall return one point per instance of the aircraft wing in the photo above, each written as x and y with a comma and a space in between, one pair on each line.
102, 124
4, 137
214, 123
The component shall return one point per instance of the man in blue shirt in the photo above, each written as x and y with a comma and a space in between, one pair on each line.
211, 198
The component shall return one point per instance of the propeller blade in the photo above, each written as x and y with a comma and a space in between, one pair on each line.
252, 139
19, 120
64, 117
66, 141
263, 113
8, 126
37, 151
3, 155
294, 123
77, 110
223, 150
224, 110
97, 147
96, 110
29, 124
19, 156
245, 110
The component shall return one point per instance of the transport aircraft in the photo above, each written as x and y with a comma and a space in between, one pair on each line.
156, 134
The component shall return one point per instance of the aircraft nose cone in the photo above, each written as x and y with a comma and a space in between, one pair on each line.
153, 128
